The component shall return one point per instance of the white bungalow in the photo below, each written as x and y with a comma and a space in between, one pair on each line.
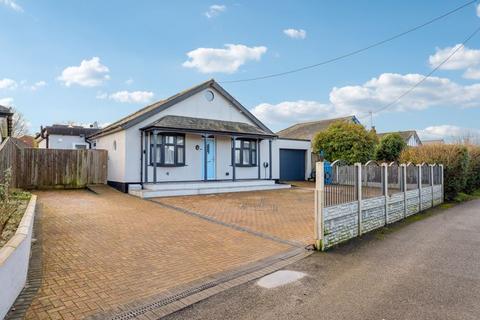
198, 141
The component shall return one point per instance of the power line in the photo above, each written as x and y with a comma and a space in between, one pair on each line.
458, 48
376, 44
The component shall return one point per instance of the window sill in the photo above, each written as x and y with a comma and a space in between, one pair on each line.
244, 165
167, 165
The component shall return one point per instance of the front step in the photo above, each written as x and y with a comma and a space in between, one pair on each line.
169, 192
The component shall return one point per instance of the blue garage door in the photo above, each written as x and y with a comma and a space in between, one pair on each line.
292, 164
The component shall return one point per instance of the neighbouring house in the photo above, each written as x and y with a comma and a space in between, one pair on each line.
63, 136
28, 141
6, 123
201, 140
410, 137
307, 130
436, 141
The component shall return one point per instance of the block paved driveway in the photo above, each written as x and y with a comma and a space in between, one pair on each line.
102, 251
286, 214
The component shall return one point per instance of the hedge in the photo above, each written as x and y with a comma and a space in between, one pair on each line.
473, 178
455, 159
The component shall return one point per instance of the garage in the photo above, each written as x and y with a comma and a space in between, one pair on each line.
292, 164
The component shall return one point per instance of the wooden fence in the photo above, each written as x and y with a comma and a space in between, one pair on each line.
52, 168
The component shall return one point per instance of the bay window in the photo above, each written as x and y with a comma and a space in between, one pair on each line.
245, 153
170, 150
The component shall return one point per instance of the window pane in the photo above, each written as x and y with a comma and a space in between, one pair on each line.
237, 156
169, 155
180, 140
238, 143
246, 156
180, 159
254, 157
246, 144
159, 153
169, 139
254, 145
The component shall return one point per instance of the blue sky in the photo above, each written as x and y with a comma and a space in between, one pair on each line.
86, 61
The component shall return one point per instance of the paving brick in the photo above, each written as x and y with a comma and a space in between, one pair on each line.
286, 214
100, 252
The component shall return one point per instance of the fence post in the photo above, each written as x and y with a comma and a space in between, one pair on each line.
431, 182
319, 198
441, 182
385, 189
358, 183
419, 183
404, 183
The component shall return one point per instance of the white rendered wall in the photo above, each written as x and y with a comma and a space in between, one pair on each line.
291, 144
62, 142
195, 106
14, 260
116, 158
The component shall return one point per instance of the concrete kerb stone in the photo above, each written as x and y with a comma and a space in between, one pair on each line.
186, 295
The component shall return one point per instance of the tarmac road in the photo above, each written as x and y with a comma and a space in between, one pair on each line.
429, 269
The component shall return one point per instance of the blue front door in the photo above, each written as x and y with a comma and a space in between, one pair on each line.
210, 149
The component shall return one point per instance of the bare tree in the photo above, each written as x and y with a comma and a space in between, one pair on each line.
19, 125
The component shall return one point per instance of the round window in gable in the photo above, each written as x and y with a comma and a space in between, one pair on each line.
115, 145
209, 95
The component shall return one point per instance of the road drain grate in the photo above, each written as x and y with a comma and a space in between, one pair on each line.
184, 294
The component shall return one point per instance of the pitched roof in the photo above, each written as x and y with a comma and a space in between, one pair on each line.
190, 124
404, 134
437, 141
66, 130
161, 105
5, 110
307, 130
19, 143
28, 141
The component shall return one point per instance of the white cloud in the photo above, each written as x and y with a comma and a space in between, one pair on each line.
464, 58
12, 4
90, 73
478, 10
295, 33
372, 95
8, 84
37, 85
127, 96
447, 132
6, 102
228, 60
129, 81
215, 10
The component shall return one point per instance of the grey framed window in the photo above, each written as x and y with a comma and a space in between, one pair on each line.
245, 153
170, 150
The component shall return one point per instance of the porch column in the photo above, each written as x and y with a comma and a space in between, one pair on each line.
145, 155
155, 137
270, 158
258, 157
142, 155
205, 157
233, 157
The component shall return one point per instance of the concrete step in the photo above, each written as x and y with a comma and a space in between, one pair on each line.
145, 193
207, 184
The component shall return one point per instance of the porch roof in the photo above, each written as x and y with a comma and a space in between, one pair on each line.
200, 125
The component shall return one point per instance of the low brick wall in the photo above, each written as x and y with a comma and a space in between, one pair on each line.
14, 259
341, 222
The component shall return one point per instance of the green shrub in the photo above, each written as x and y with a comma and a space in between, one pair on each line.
347, 141
473, 177
390, 147
455, 159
